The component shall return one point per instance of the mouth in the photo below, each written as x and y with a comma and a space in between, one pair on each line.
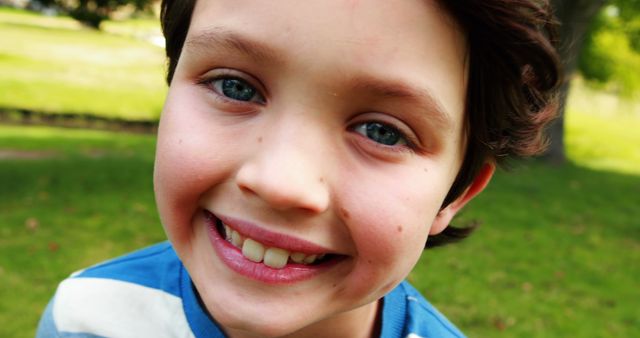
271, 256
264, 255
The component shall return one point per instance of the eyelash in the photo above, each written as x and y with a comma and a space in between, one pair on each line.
209, 82
409, 144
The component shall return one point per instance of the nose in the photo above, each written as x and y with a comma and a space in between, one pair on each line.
285, 171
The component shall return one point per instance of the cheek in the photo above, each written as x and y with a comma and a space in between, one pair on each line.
187, 164
392, 235
394, 209
389, 224
177, 182
388, 248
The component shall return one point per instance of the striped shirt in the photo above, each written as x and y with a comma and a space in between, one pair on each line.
149, 293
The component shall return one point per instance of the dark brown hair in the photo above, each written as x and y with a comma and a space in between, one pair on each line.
514, 72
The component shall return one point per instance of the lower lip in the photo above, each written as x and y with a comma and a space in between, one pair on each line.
233, 258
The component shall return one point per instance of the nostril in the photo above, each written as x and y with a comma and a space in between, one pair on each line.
246, 190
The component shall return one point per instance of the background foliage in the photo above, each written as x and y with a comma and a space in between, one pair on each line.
611, 55
556, 255
56, 66
93, 12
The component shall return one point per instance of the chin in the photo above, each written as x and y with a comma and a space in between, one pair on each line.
257, 325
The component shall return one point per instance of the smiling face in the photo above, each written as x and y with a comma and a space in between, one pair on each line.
304, 153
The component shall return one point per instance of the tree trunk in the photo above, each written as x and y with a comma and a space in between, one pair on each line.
575, 17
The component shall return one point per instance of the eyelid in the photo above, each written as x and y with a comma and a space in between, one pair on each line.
229, 73
412, 143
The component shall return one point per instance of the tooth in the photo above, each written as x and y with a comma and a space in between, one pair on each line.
253, 250
276, 258
227, 232
236, 239
310, 259
298, 257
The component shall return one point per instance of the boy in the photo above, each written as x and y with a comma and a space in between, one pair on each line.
305, 152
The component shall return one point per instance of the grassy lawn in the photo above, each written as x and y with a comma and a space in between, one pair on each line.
88, 198
557, 255
55, 65
558, 252
600, 130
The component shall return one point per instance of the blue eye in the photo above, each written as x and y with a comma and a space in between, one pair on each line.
381, 133
236, 89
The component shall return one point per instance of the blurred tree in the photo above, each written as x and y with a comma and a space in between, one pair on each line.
631, 14
93, 12
575, 17
582, 23
45, 2
612, 48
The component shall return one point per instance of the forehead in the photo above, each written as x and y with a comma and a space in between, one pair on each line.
412, 41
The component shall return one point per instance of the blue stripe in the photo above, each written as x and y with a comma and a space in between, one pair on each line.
156, 267
200, 322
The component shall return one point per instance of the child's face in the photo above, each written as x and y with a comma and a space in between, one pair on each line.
323, 127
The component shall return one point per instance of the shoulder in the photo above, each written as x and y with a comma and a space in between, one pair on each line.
109, 299
407, 313
148, 267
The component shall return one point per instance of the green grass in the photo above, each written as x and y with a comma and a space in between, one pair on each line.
556, 256
54, 65
600, 130
558, 252
92, 199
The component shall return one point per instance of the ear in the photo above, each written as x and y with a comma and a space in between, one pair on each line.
445, 215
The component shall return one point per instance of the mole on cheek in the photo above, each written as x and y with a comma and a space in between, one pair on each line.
260, 139
345, 213
399, 228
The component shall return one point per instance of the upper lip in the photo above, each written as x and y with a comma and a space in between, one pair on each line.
272, 239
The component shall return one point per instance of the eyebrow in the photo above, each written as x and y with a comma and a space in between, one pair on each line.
402, 91
217, 39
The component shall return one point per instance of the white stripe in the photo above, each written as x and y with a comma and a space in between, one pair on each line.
413, 335
112, 308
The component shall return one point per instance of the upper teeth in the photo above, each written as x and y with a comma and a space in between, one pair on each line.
273, 257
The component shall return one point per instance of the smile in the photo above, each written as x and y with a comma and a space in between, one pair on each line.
266, 256
257, 252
